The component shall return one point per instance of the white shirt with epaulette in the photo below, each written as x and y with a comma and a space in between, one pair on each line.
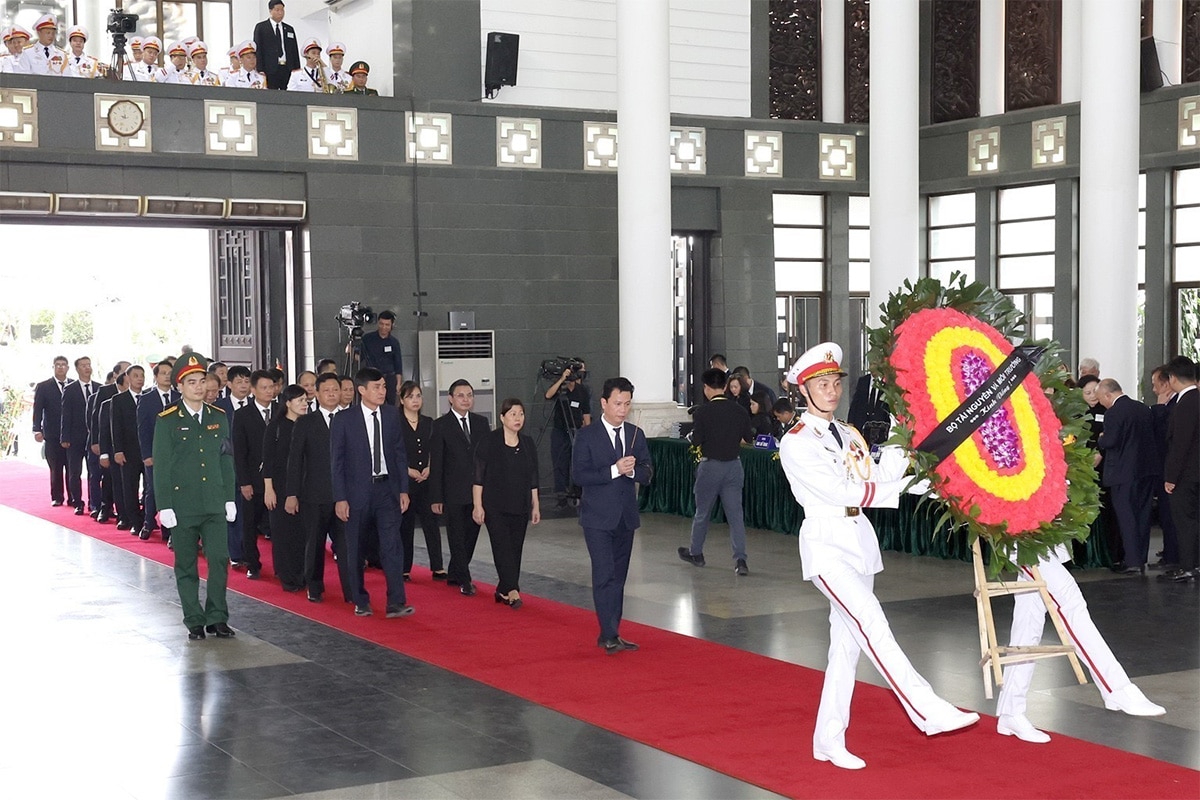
303, 81
83, 66
43, 59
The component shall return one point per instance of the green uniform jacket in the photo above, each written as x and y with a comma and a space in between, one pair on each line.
193, 463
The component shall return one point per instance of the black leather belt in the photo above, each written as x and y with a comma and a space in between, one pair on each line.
379, 478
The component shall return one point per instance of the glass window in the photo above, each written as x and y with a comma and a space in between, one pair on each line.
860, 211
799, 209
1027, 202
1187, 264
218, 27
799, 276
1187, 187
952, 243
952, 209
943, 270
1026, 237
799, 242
951, 237
1187, 225
860, 277
1027, 272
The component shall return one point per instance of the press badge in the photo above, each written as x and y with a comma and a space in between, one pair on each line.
387, 348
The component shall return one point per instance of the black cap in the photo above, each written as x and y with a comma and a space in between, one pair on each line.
360, 66
274, 3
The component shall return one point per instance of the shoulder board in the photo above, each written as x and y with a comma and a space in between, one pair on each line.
799, 426
214, 408
168, 411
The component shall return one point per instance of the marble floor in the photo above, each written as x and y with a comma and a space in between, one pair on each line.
104, 697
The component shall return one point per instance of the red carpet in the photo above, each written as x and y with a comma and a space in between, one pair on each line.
742, 714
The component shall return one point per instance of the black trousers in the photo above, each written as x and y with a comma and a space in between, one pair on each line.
95, 483
507, 535
56, 459
131, 501
287, 548
383, 507
75, 455
419, 509
1185, 507
610, 551
1131, 502
255, 513
111, 478
318, 522
462, 534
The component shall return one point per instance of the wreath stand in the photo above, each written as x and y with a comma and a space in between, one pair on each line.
993, 656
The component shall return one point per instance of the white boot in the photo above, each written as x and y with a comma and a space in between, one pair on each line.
1133, 702
953, 721
839, 757
1017, 725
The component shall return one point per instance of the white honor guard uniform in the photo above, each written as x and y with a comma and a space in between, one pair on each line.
1029, 619
82, 65
306, 79
226, 73
338, 77
834, 480
248, 78
172, 73
151, 72
13, 62
205, 76
45, 59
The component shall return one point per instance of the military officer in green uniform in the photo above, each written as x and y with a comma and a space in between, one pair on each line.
359, 71
193, 479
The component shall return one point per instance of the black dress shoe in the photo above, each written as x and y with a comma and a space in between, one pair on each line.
95, 514
313, 597
124, 526
56, 503
144, 535
440, 576
362, 611
452, 582
398, 611
221, 630
468, 589
103, 518
1178, 575
253, 574
79, 511
1133, 571
694, 560
612, 646
626, 644
1162, 566
195, 633
741, 568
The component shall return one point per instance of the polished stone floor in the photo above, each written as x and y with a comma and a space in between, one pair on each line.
104, 697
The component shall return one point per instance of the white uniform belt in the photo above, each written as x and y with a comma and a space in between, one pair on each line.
823, 512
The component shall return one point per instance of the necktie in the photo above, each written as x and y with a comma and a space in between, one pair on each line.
837, 436
87, 391
279, 35
166, 400
466, 430
242, 403
376, 446
62, 387
46, 50
267, 414
137, 398
618, 446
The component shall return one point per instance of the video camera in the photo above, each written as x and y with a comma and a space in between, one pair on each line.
553, 368
354, 315
121, 22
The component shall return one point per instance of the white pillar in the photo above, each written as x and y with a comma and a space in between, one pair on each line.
1071, 59
991, 57
1168, 36
644, 198
833, 61
895, 194
1108, 180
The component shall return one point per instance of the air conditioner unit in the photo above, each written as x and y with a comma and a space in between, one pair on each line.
334, 5
447, 356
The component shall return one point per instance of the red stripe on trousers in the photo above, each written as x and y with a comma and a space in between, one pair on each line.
878, 661
1091, 664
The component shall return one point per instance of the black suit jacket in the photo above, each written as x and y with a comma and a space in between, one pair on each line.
267, 46
248, 430
106, 392
149, 407
125, 428
350, 456
75, 415
47, 410
609, 501
452, 458
308, 475
1128, 443
104, 425
1183, 440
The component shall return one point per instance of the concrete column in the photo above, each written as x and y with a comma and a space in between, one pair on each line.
895, 194
833, 60
1108, 188
1168, 37
991, 57
644, 199
1071, 60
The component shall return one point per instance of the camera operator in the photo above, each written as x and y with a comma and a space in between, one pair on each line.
380, 350
572, 411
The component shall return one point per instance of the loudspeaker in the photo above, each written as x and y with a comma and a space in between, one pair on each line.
1151, 71
500, 67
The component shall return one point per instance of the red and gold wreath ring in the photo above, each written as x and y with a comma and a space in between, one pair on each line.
1013, 468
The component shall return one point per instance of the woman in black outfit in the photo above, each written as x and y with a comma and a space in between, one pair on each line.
287, 537
736, 390
506, 496
760, 414
416, 443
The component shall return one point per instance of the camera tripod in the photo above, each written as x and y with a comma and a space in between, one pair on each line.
352, 347
560, 405
117, 65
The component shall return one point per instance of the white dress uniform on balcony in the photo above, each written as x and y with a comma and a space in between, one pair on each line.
82, 65
307, 78
13, 62
829, 467
44, 59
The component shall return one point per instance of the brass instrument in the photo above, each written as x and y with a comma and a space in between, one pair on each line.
326, 86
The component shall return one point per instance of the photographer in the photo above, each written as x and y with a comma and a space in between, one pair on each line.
572, 411
380, 350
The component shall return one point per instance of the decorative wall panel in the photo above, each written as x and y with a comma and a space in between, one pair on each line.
858, 61
954, 73
1032, 48
795, 52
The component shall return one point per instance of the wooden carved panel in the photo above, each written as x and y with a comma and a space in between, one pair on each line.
795, 52
1191, 41
954, 73
1032, 47
858, 61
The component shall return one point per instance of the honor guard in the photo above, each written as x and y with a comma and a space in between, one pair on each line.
79, 64
359, 71
15, 40
235, 66
147, 70
201, 74
45, 57
135, 48
178, 71
194, 486
310, 76
248, 77
337, 74
831, 473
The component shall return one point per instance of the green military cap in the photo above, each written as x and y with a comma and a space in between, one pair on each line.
360, 66
186, 365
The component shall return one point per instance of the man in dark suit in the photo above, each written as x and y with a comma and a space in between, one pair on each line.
1132, 465
1160, 383
236, 397
752, 385
47, 426
451, 476
249, 426
153, 402
610, 460
127, 449
102, 457
309, 477
73, 437
275, 44
369, 469
1181, 468
107, 461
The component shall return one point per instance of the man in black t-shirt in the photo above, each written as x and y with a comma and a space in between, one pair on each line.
572, 410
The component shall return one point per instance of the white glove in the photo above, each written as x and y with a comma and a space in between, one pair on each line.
921, 487
230, 511
166, 518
